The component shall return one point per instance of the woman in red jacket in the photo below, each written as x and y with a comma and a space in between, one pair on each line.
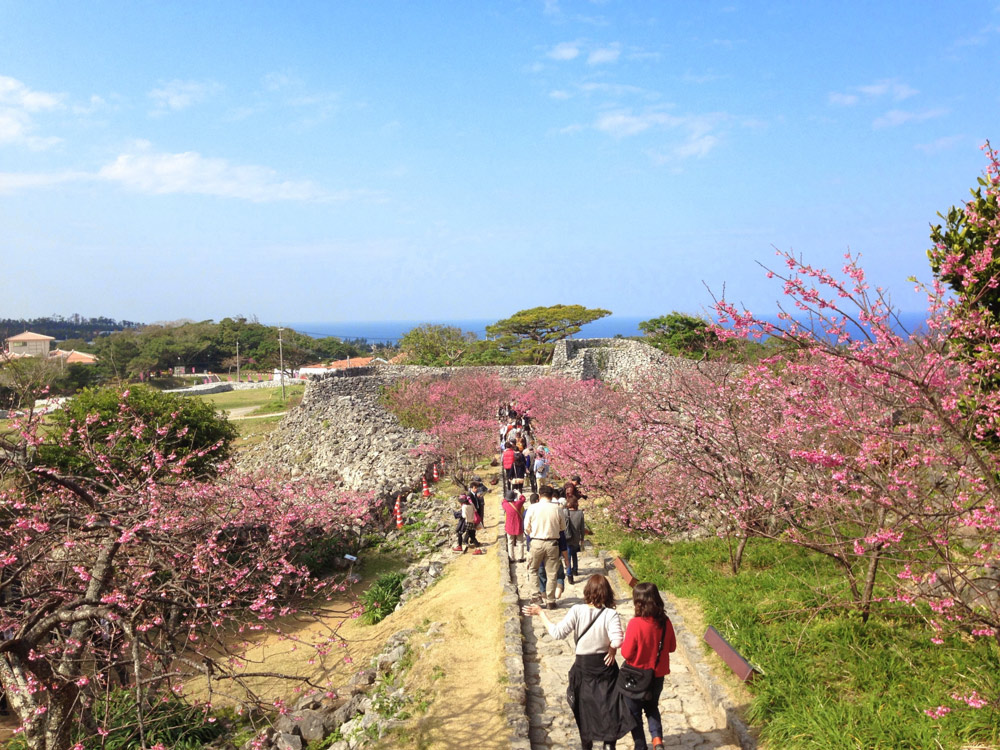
640, 648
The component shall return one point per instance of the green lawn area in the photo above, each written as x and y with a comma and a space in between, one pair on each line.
268, 400
255, 402
827, 679
254, 431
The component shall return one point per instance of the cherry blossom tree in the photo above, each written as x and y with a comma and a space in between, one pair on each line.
144, 579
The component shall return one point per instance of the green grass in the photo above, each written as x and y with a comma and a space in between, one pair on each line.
263, 398
381, 598
255, 431
827, 679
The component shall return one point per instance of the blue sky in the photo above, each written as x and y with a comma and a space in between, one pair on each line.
363, 160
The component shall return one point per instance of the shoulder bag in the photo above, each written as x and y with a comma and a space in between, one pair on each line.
635, 682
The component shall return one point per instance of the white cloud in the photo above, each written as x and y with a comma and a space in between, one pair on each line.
603, 55
695, 146
18, 106
886, 88
692, 136
623, 123
941, 144
177, 95
897, 91
146, 171
983, 36
15, 94
896, 117
559, 94
95, 103
565, 51
842, 100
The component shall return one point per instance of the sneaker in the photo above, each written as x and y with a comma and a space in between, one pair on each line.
457, 549
478, 551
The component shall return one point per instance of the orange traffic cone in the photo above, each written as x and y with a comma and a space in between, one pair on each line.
427, 491
435, 476
399, 514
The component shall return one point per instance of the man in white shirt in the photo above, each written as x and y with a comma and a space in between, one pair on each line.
543, 525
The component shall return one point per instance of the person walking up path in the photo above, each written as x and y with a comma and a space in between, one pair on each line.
687, 719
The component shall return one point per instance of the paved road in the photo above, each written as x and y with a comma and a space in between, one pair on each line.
687, 721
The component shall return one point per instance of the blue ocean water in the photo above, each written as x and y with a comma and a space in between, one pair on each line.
390, 331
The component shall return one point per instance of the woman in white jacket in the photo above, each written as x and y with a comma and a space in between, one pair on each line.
600, 712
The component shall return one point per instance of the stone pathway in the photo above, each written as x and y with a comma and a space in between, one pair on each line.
688, 721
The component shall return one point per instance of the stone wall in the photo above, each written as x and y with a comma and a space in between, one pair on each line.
613, 360
340, 431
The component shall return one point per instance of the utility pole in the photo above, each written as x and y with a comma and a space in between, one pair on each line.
237, 360
281, 363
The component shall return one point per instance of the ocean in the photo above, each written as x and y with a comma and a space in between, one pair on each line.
390, 331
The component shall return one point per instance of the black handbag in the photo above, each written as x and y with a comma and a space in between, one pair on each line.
635, 682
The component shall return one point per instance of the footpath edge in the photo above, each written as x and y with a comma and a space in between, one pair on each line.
691, 651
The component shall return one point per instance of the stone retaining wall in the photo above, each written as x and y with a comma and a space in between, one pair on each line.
613, 360
516, 703
340, 431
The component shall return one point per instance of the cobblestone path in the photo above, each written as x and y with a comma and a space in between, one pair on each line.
688, 722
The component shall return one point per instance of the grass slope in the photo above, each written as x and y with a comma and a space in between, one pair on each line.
827, 679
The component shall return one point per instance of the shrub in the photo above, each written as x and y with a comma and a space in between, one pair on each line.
382, 597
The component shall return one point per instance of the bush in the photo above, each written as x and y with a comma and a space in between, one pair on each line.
382, 597
172, 723
162, 424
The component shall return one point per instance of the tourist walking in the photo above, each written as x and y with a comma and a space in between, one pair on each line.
540, 466
513, 526
507, 463
543, 524
600, 711
465, 530
575, 530
649, 641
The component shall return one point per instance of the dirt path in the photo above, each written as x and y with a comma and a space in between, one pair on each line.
463, 673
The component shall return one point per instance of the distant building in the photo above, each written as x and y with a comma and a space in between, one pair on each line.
29, 344
320, 369
73, 357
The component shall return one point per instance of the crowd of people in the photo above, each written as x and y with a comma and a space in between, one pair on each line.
546, 531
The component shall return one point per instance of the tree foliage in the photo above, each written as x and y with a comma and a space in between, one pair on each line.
964, 255
533, 331
186, 429
435, 345
679, 334
207, 345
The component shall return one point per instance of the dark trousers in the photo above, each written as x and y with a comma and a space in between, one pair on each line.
574, 563
651, 708
467, 535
